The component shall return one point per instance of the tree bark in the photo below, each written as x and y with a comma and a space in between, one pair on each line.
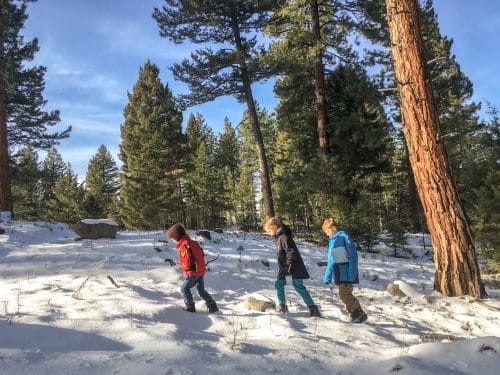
319, 78
267, 196
5, 187
457, 271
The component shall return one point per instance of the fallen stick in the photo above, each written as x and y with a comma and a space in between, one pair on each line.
113, 281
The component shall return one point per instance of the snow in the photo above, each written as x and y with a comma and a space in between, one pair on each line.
100, 221
61, 314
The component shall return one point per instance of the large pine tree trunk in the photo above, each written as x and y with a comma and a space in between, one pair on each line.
319, 77
267, 196
5, 188
457, 271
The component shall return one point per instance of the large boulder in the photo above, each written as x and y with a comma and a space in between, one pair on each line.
94, 229
252, 303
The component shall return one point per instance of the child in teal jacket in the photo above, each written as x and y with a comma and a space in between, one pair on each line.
342, 268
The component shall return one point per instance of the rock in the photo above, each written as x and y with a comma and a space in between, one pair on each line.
5, 216
433, 337
218, 230
252, 303
2, 231
322, 263
95, 229
265, 262
408, 290
204, 234
394, 290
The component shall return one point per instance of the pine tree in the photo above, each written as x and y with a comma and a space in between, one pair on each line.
51, 169
246, 209
65, 207
151, 153
457, 271
246, 187
26, 185
230, 70
22, 119
227, 160
205, 189
338, 182
101, 184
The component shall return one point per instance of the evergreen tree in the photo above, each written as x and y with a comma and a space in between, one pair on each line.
227, 160
51, 169
22, 119
151, 154
457, 271
246, 209
246, 187
345, 182
101, 184
229, 70
312, 35
481, 174
205, 189
65, 207
26, 185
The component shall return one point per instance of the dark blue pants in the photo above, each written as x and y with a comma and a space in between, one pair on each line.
190, 282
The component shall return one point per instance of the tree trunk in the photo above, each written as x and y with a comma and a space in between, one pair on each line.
254, 121
319, 77
457, 271
5, 188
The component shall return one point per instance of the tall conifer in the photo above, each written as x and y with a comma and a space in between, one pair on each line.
22, 118
26, 185
151, 151
101, 184
65, 206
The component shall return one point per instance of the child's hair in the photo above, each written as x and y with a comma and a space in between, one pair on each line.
176, 231
328, 223
272, 223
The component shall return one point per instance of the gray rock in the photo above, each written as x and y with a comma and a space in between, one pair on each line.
204, 234
2, 231
218, 230
394, 290
252, 303
95, 230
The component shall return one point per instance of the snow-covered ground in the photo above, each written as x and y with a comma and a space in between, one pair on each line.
60, 313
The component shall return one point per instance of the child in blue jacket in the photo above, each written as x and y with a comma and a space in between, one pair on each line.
342, 267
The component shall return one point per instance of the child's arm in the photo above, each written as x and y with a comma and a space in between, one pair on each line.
327, 278
352, 254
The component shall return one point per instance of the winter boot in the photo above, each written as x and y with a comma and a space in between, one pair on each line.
212, 307
358, 316
282, 309
314, 311
189, 307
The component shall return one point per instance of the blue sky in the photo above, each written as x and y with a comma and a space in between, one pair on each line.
93, 50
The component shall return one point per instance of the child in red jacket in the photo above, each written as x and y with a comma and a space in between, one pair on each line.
192, 262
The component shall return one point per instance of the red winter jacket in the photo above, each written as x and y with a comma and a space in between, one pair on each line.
191, 257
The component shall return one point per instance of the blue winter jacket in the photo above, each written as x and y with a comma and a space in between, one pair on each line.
342, 264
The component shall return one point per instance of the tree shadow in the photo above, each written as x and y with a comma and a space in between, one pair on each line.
54, 339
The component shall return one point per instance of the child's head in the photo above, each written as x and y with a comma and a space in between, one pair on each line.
175, 232
329, 226
272, 225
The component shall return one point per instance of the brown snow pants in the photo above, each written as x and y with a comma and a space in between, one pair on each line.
350, 302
